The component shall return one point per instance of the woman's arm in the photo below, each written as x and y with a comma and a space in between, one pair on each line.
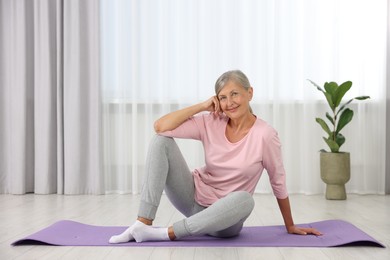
174, 119
285, 209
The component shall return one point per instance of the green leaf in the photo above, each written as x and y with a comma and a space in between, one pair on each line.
334, 147
340, 139
345, 118
316, 85
330, 87
330, 118
323, 125
362, 97
349, 101
340, 92
329, 98
343, 106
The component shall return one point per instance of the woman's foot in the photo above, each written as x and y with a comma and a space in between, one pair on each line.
125, 236
142, 232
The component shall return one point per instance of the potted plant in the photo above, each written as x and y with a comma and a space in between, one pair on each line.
335, 165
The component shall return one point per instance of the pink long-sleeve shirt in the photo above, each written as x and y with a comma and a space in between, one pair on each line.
233, 166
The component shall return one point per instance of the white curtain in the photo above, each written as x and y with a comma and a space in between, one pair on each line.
158, 56
50, 97
387, 181
81, 83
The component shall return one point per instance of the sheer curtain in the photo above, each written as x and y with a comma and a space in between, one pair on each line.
81, 83
387, 185
158, 56
50, 97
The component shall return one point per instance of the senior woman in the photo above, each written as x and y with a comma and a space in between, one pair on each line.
215, 199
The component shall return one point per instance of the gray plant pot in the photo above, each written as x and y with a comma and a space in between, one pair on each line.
335, 172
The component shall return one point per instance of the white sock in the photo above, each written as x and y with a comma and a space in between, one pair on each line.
125, 236
142, 232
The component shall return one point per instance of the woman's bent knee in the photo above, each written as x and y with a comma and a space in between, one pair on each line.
244, 200
160, 141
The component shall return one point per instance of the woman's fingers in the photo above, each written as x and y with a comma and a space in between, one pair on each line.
305, 231
216, 104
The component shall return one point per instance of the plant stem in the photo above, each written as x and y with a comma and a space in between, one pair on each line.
334, 125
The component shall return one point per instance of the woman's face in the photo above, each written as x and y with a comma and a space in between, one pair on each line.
234, 100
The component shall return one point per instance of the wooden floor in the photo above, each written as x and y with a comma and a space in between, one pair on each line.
26, 214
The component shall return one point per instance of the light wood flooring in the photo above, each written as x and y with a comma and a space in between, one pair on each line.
21, 215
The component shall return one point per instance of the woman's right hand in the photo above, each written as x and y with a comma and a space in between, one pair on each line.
212, 105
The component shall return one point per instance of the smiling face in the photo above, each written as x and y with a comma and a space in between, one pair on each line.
234, 99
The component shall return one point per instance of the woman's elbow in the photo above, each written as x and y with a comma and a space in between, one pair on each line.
157, 127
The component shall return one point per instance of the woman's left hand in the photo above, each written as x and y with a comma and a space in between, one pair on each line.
303, 231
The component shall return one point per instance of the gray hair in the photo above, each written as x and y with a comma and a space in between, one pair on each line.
233, 75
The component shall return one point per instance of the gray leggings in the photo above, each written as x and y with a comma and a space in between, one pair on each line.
167, 169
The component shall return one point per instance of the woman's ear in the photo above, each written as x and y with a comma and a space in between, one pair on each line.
250, 91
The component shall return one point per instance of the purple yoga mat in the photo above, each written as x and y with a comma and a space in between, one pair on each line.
336, 233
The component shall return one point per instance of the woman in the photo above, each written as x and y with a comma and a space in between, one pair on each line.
217, 198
